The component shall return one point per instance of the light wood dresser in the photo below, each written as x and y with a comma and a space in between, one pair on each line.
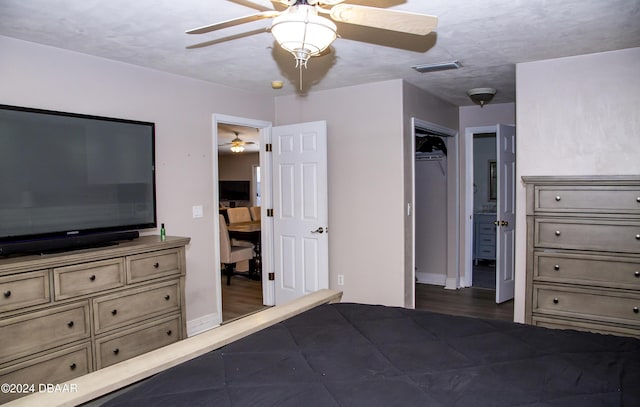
65, 315
583, 253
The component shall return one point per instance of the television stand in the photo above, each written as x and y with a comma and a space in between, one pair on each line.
67, 314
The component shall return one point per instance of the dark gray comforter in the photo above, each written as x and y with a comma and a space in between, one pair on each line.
364, 355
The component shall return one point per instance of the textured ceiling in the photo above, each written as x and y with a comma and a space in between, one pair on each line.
488, 37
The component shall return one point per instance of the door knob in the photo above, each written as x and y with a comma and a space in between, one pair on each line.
319, 230
504, 223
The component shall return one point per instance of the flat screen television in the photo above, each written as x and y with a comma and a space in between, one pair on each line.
71, 180
235, 190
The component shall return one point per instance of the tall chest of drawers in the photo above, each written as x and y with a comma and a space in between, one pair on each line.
583, 253
68, 314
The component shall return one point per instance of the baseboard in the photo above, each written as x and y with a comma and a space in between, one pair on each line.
202, 324
452, 284
431, 278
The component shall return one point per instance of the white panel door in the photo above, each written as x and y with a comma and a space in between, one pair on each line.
506, 211
300, 244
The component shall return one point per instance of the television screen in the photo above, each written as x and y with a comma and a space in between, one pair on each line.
67, 174
235, 190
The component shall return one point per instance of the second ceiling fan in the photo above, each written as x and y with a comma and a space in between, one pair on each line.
304, 32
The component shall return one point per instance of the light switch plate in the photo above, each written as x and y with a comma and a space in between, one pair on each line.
197, 211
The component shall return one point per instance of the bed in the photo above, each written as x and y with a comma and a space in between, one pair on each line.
344, 354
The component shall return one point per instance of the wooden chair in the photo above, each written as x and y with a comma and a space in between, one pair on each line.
230, 254
255, 213
239, 215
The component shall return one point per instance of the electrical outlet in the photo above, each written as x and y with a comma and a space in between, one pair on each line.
340, 279
197, 211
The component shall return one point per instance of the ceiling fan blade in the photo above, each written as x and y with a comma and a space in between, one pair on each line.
251, 4
228, 38
234, 22
394, 20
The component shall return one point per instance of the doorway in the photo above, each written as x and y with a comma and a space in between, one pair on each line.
243, 174
435, 197
483, 272
489, 233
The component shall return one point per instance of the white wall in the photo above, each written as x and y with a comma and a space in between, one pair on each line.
364, 126
38, 76
484, 150
430, 214
575, 116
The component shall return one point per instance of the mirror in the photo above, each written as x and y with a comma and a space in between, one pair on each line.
493, 181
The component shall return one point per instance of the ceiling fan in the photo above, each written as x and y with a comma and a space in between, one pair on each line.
304, 32
237, 144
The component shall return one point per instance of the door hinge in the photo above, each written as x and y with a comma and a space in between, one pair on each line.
270, 213
272, 276
268, 147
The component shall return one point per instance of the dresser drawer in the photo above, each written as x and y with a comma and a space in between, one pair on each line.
134, 342
41, 330
602, 305
486, 252
486, 228
147, 266
588, 234
56, 367
24, 290
117, 310
614, 272
87, 278
588, 199
578, 325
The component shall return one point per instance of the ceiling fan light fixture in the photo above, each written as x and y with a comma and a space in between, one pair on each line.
302, 32
237, 149
481, 96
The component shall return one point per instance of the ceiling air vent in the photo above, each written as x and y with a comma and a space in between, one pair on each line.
438, 66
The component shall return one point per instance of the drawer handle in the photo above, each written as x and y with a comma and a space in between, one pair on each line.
70, 324
557, 233
116, 351
555, 300
638, 199
92, 278
167, 297
556, 267
637, 237
72, 366
114, 312
156, 265
637, 274
558, 198
636, 310
169, 332
7, 294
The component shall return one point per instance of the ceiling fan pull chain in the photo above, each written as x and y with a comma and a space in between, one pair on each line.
300, 65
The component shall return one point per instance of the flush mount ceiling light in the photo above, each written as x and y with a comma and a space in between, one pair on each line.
481, 96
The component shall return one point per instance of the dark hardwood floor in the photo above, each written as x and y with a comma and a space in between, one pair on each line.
242, 297
471, 301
